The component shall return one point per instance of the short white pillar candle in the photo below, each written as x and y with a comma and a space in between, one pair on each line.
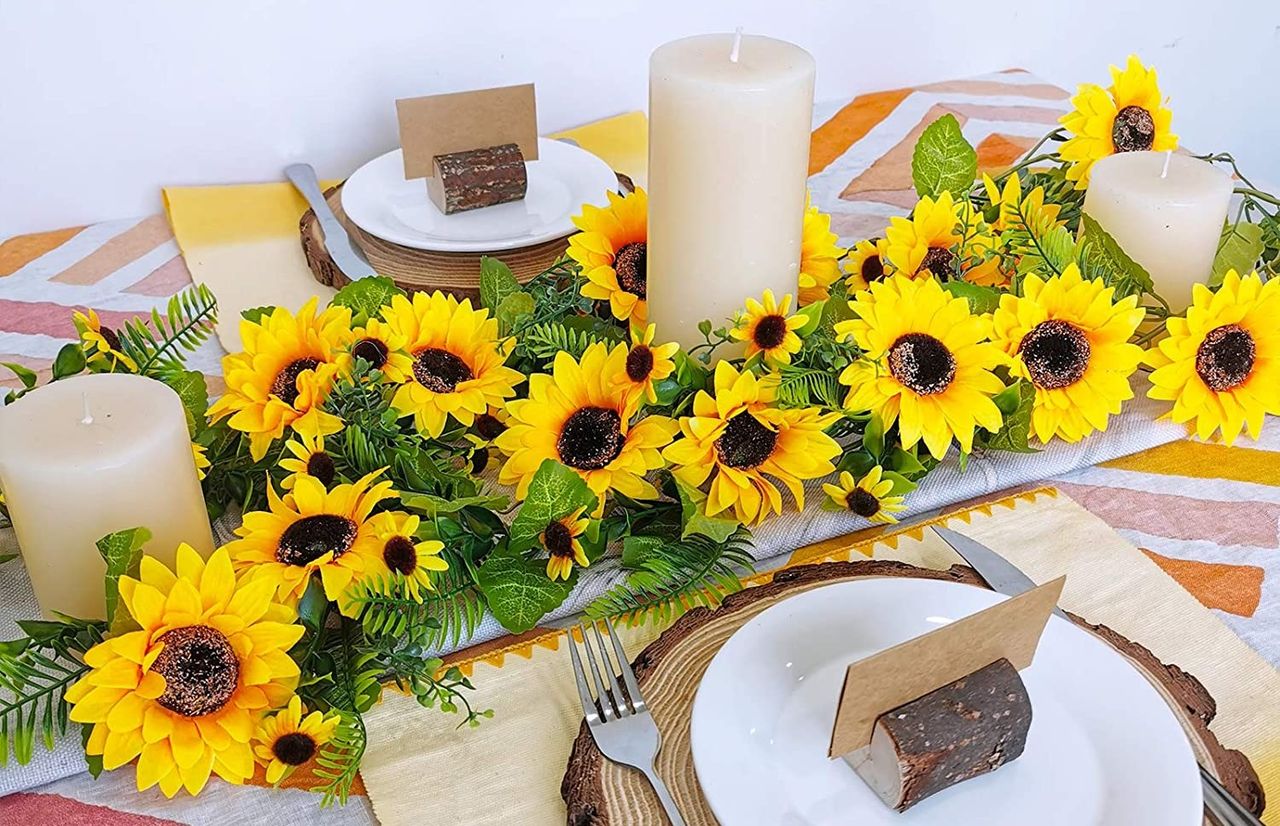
1169, 220
84, 457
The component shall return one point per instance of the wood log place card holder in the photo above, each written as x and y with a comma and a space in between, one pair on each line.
470, 147
947, 706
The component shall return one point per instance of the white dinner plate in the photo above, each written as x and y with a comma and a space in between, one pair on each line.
1103, 749
379, 200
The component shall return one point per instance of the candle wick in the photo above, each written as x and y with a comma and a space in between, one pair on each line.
1168, 156
737, 45
88, 414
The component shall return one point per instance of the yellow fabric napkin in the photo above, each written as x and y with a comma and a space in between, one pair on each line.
509, 770
242, 240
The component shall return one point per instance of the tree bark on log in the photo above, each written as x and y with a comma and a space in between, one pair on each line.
968, 728
478, 178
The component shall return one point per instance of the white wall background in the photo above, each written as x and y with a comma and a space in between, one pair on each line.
102, 103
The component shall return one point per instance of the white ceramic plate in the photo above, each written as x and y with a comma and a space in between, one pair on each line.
1103, 749
381, 202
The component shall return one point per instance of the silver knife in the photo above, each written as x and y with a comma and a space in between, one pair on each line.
1006, 578
336, 239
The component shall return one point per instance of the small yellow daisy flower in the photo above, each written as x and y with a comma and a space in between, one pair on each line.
868, 497
286, 740
767, 329
561, 541
309, 459
101, 344
398, 551
867, 263
383, 348
645, 363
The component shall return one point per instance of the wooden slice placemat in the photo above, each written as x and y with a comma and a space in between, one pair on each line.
413, 269
602, 793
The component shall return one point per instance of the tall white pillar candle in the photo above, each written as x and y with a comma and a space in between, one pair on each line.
86, 456
729, 125
1167, 220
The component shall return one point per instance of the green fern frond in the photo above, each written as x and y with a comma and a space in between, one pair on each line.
353, 690
544, 341
680, 575
801, 386
446, 616
187, 322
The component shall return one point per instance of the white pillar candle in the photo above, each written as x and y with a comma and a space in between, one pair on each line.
1169, 220
729, 125
89, 455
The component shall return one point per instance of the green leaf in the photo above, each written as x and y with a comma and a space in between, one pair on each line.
1102, 256
1238, 249
432, 506
901, 484
7, 558
518, 590
27, 377
555, 491
314, 606
812, 314
981, 299
191, 389
496, 283
93, 762
69, 361
943, 160
905, 462
122, 552
1015, 403
256, 314
693, 518
367, 296
638, 550
513, 308
873, 436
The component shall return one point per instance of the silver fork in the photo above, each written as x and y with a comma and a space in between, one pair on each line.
621, 724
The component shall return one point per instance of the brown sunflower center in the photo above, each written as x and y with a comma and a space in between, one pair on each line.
200, 670
439, 370
1056, 353
770, 332
1225, 357
312, 537
294, 748
863, 503
631, 265
591, 438
372, 351
873, 268
320, 465
110, 337
1134, 130
639, 363
922, 363
489, 426
400, 555
940, 261
286, 382
557, 539
745, 442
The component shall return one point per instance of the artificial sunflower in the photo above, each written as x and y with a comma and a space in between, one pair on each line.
611, 248
182, 693
819, 256
561, 541
578, 417
286, 740
101, 344
284, 375
308, 459
1127, 116
869, 497
645, 363
738, 436
927, 365
943, 238
1220, 364
311, 530
400, 553
1070, 338
868, 262
1015, 212
767, 329
200, 455
383, 348
459, 360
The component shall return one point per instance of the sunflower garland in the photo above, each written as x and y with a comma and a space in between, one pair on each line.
945, 239
1220, 364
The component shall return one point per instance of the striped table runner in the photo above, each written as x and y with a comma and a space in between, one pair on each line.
1207, 514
